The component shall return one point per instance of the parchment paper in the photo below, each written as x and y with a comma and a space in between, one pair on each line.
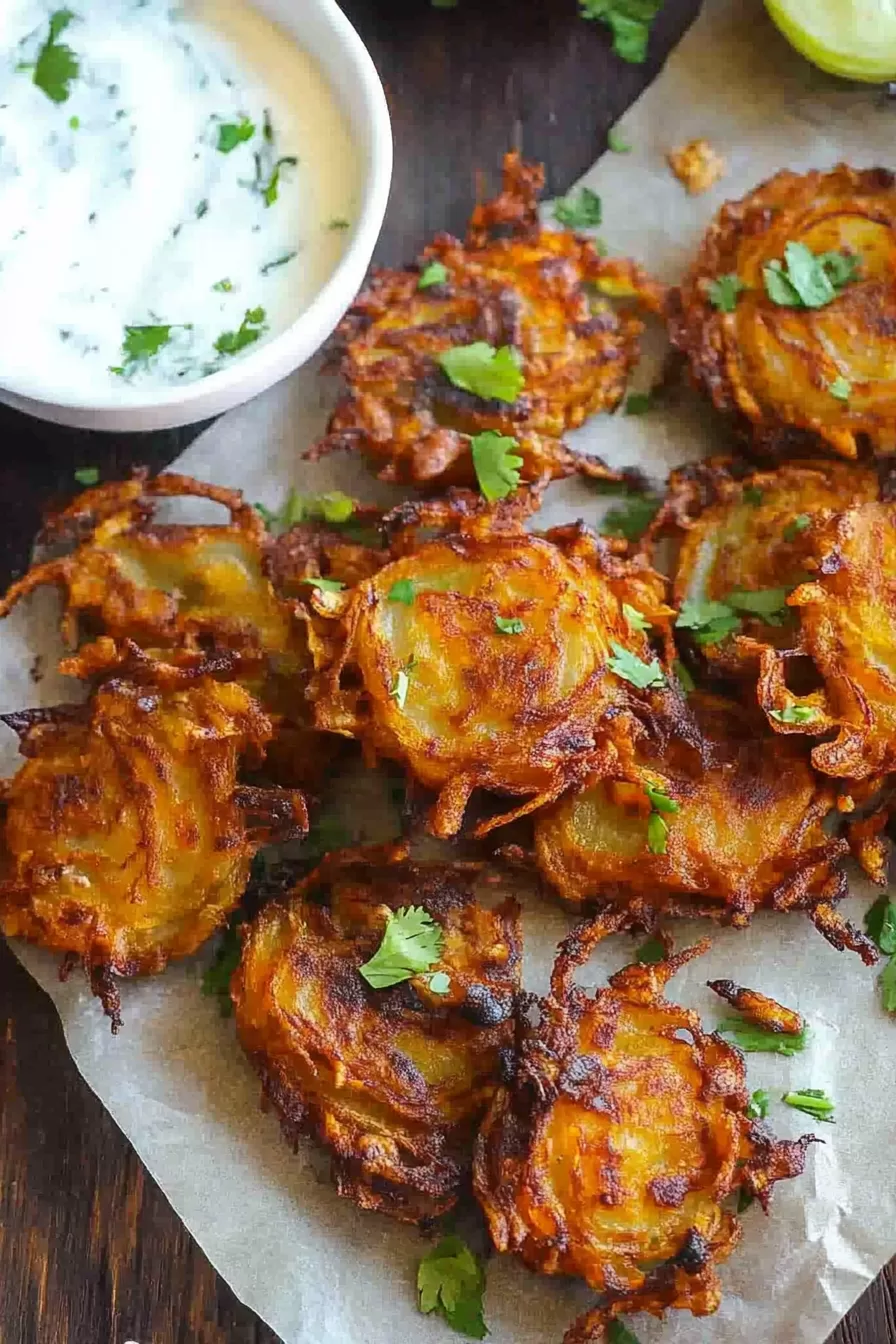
316, 1269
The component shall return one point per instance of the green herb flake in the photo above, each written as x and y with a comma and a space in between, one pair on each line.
451, 1282
794, 714
56, 67
807, 280
270, 190
744, 1198
231, 134
583, 212
339, 224
651, 951
494, 375
615, 142
770, 604
496, 464
659, 799
617, 1333
638, 403
811, 1101
628, 20
753, 1040
631, 518
758, 1106
440, 983
402, 591
411, 943
74, 123
402, 683
685, 680
87, 475
709, 622
334, 508
657, 833
219, 973
723, 291
644, 676
434, 273
324, 585
880, 925
888, 986
509, 625
634, 618
250, 330
141, 344
841, 388
282, 260
223, 286
796, 526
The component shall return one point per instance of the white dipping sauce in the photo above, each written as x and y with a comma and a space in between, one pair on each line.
118, 209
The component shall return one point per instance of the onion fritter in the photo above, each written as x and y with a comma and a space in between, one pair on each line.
392, 1081
511, 284
774, 365
744, 534
747, 833
126, 838
612, 1151
848, 627
488, 659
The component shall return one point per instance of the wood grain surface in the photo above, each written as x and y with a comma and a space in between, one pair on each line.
90, 1251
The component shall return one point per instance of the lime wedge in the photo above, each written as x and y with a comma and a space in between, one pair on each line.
852, 38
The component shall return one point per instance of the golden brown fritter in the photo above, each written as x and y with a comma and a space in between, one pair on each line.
747, 833
697, 166
612, 1153
488, 658
759, 1008
392, 1081
847, 614
126, 837
774, 366
743, 534
513, 284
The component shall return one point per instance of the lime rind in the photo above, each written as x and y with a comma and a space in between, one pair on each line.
855, 39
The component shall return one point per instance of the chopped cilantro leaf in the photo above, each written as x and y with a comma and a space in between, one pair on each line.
794, 714
616, 144
811, 1101
411, 942
434, 273
278, 261
796, 526
628, 20
270, 190
631, 518
231, 134
744, 1198
87, 475
709, 622
496, 465
141, 344
223, 286
325, 585
723, 292
334, 508
753, 1040
659, 799
768, 603
651, 951
759, 1104
888, 986
451, 1282
634, 618
638, 403
57, 65
337, 224
880, 925
251, 328
632, 669
585, 212
219, 973
657, 833
494, 375
402, 591
618, 1333
440, 983
840, 388
509, 625
804, 280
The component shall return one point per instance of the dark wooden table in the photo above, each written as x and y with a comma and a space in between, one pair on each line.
90, 1251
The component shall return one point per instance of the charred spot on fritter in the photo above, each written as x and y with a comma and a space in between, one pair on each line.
392, 1081
614, 1150
512, 285
788, 312
126, 837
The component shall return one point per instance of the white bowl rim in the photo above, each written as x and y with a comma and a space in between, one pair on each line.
263, 366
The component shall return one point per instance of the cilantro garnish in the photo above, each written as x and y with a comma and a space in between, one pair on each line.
657, 826
723, 292
840, 388
494, 375
402, 591
496, 465
141, 344
402, 683
632, 518
759, 1104
202, 209
754, 1040
628, 20
434, 273
769, 603
811, 1101
231, 134
324, 585
251, 328
87, 475
219, 973
223, 286
270, 190
880, 925
634, 618
57, 65
804, 280
794, 714
451, 1282
278, 261
440, 983
796, 526
616, 144
411, 942
638, 403
335, 225
335, 508
630, 668
617, 1333
585, 212
888, 986
509, 625
651, 951
709, 622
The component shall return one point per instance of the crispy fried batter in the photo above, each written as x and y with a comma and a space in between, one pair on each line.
748, 834
435, 683
697, 166
126, 837
773, 366
512, 283
746, 533
848, 628
391, 1081
624, 1129
759, 1008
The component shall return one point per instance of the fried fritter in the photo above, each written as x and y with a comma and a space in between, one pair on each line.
847, 618
759, 1008
611, 1153
392, 1081
747, 831
126, 838
743, 534
511, 283
697, 166
799, 378
490, 658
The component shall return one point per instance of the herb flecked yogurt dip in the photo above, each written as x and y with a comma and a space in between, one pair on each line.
176, 185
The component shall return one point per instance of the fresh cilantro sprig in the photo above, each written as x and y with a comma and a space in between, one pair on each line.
635, 619
493, 374
334, 508
584, 211
723, 291
451, 1282
142, 344
811, 1101
251, 329
57, 66
753, 1040
661, 806
231, 134
758, 1105
806, 280
631, 518
709, 622
628, 20
411, 943
496, 464
794, 714
433, 273
219, 973
644, 676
